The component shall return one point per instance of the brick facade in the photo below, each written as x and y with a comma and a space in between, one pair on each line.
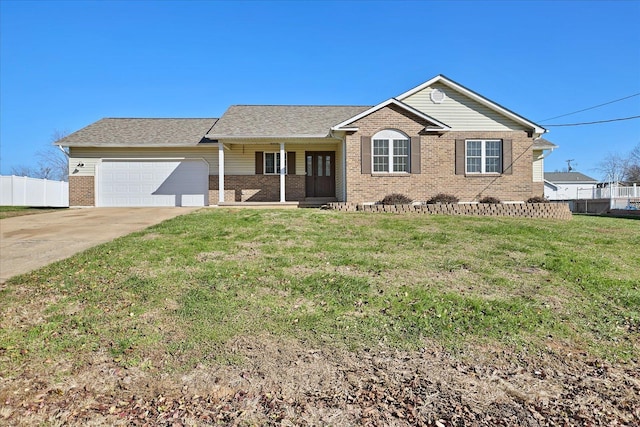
437, 158
257, 188
81, 191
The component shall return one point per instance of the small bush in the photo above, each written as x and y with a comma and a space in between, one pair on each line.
490, 200
537, 199
443, 198
396, 199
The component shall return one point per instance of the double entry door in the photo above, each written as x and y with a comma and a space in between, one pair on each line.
321, 173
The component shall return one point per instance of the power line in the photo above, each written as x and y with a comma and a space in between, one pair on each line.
591, 108
593, 123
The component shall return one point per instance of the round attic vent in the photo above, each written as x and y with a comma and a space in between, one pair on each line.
437, 96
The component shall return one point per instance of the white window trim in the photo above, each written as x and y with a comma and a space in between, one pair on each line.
277, 170
391, 136
483, 156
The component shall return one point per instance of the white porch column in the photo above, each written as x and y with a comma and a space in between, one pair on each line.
283, 157
220, 172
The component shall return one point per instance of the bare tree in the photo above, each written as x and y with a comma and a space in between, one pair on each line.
616, 167
52, 162
633, 173
635, 154
633, 168
612, 167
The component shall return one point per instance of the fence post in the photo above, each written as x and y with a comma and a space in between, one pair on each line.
24, 191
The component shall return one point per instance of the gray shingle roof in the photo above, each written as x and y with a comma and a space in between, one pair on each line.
567, 177
281, 120
112, 132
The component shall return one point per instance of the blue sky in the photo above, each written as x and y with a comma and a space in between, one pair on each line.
64, 65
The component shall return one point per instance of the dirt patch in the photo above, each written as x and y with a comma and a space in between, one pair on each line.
290, 383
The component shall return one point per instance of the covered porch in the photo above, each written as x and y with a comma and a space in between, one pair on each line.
251, 173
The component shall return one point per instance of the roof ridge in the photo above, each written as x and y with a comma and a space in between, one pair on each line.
295, 105
159, 118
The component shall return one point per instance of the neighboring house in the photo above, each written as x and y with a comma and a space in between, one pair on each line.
568, 186
439, 137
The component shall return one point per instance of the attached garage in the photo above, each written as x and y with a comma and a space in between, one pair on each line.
152, 182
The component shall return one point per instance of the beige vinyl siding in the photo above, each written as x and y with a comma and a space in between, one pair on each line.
90, 156
538, 166
460, 112
239, 159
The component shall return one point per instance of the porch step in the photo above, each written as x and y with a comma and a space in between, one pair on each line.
259, 205
316, 202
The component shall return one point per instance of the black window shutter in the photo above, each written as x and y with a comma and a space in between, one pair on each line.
507, 157
460, 157
291, 163
415, 155
365, 154
259, 163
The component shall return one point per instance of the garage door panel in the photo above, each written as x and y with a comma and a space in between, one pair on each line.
153, 183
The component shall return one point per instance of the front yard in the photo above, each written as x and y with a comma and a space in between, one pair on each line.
11, 211
317, 317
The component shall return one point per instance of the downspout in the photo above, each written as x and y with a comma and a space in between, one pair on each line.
62, 149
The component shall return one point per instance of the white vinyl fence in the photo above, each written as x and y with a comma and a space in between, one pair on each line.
620, 197
24, 191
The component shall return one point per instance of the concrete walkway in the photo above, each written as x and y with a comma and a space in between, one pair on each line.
32, 241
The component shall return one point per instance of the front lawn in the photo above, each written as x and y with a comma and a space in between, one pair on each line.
11, 211
181, 295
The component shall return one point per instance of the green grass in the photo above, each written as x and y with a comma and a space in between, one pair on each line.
11, 211
171, 296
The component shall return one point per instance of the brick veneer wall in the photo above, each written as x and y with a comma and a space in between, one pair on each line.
257, 188
437, 158
81, 191
523, 210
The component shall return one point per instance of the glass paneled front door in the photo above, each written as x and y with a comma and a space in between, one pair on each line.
321, 171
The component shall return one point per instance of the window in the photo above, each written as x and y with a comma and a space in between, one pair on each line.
483, 156
390, 151
272, 164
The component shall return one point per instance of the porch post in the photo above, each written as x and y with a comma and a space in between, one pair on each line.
220, 172
283, 157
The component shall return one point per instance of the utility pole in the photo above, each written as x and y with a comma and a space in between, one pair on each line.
569, 168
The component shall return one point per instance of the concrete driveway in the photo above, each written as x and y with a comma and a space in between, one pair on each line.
32, 241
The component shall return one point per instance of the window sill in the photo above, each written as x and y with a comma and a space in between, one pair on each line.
387, 174
480, 175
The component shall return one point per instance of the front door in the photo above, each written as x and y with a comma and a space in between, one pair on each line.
321, 173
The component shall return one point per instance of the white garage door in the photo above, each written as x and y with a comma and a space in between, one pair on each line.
152, 182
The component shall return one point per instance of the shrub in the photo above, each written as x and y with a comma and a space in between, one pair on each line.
491, 200
537, 199
396, 199
443, 198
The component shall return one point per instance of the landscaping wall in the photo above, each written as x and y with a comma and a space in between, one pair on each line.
524, 210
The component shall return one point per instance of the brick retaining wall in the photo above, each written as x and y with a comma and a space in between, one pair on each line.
522, 210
